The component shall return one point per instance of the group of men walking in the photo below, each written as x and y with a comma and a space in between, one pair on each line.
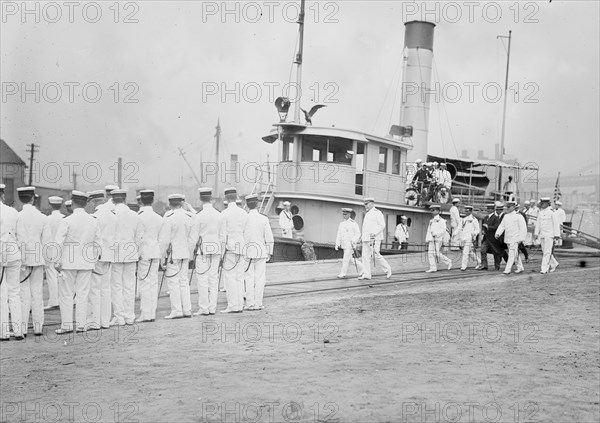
97, 259
503, 232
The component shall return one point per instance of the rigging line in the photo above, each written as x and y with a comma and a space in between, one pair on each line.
293, 58
393, 106
387, 92
435, 69
425, 121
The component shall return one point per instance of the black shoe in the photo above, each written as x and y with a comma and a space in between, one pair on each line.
19, 338
4, 339
483, 268
187, 316
38, 334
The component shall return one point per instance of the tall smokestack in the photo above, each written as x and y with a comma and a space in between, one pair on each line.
414, 111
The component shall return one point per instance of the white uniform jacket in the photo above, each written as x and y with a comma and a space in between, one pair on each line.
32, 235
546, 225
348, 234
285, 220
209, 230
436, 230
454, 218
151, 223
176, 231
401, 233
514, 228
560, 215
258, 236
469, 228
78, 238
9, 248
107, 222
235, 221
129, 233
374, 224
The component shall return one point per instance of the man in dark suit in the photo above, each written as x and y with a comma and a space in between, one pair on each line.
490, 243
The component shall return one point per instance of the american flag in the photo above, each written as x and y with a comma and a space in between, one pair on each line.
557, 193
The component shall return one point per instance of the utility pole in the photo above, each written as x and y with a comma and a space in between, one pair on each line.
32, 149
504, 112
217, 140
74, 180
120, 172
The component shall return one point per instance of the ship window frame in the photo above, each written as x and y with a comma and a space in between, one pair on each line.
396, 166
318, 148
383, 151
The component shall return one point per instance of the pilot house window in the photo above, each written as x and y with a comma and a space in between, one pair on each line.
383, 159
396, 162
326, 149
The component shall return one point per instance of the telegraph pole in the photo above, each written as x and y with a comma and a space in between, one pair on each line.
32, 149
120, 172
74, 180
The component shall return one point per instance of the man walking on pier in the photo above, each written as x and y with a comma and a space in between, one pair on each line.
469, 232
547, 230
347, 237
372, 235
514, 228
434, 238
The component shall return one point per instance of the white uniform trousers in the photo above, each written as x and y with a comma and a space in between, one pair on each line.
434, 254
233, 276
10, 299
122, 291
52, 281
528, 239
99, 305
179, 287
207, 278
74, 282
455, 239
32, 297
467, 253
148, 287
548, 260
513, 258
346, 261
256, 278
368, 251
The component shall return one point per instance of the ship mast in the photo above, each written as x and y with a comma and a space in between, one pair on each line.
501, 154
298, 62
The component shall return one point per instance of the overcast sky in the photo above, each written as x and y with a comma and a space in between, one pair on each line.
158, 77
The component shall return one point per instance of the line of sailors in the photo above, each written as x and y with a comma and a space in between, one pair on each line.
92, 259
504, 224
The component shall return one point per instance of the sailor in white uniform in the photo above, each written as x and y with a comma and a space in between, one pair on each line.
434, 238
129, 233
469, 232
109, 204
177, 246
514, 228
372, 235
348, 235
561, 217
233, 265
10, 268
455, 224
257, 252
53, 221
100, 300
285, 221
77, 238
32, 236
147, 272
209, 238
401, 233
547, 230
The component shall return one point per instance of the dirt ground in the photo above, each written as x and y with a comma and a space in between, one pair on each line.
524, 348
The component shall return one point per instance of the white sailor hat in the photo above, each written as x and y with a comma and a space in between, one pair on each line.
78, 195
176, 197
238, 201
2, 188
286, 203
443, 164
558, 203
346, 210
55, 200
418, 161
468, 208
435, 207
435, 163
532, 201
526, 202
96, 194
490, 206
119, 192
26, 190
369, 200
230, 190
403, 217
68, 203
109, 188
146, 193
545, 199
498, 205
456, 200
251, 197
205, 191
